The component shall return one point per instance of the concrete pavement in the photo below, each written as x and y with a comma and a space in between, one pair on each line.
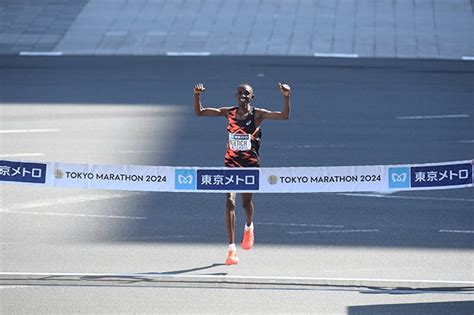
348, 28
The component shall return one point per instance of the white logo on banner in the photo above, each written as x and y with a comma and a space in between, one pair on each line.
183, 180
399, 177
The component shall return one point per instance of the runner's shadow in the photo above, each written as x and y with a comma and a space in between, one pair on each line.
177, 272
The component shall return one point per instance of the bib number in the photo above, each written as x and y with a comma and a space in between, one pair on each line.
239, 142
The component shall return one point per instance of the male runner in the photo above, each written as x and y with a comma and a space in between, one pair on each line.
242, 150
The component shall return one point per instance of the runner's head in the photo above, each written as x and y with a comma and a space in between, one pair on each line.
244, 94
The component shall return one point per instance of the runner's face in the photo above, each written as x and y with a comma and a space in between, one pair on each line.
244, 94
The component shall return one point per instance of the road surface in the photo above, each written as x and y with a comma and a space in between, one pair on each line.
138, 110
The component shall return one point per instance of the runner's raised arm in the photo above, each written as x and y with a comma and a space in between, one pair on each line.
276, 115
208, 111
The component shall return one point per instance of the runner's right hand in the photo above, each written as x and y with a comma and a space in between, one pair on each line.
199, 88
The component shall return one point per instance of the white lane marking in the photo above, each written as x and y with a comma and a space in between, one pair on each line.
300, 224
69, 200
465, 141
82, 215
41, 53
406, 197
336, 55
219, 278
434, 116
333, 231
456, 231
19, 209
471, 58
20, 155
188, 53
29, 130
377, 195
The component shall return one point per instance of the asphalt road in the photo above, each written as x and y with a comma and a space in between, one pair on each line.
126, 110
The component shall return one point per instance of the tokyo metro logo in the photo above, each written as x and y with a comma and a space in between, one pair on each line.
398, 177
185, 179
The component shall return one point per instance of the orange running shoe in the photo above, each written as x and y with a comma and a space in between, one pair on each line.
248, 239
232, 258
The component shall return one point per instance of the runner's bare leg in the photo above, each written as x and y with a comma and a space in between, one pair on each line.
247, 204
230, 217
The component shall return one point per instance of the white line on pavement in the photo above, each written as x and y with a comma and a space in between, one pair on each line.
170, 278
20, 155
336, 55
470, 58
300, 224
41, 53
19, 209
456, 231
69, 200
29, 130
406, 197
333, 231
73, 215
434, 116
188, 53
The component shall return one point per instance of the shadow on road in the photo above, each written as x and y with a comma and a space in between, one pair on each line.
178, 272
343, 114
461, 307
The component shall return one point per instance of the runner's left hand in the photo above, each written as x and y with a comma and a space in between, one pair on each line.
285, 89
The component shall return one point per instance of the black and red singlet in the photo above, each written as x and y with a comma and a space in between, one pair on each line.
243, 140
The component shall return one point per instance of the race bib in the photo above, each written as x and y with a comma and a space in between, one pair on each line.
239, 142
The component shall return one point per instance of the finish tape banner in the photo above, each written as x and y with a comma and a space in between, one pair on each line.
257, 180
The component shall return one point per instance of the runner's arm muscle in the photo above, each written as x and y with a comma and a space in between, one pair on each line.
277, 115
206, 111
